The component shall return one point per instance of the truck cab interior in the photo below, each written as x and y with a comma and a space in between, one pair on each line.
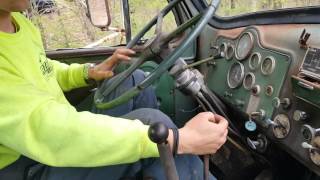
259, 69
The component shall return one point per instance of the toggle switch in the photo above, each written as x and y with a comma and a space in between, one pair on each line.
260, 144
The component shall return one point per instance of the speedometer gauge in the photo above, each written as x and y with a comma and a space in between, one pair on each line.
235, 75
244, 46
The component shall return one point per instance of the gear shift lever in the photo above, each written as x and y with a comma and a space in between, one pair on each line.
158, 133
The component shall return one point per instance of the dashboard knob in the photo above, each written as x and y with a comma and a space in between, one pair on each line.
306, 145
300, 115
272, 123
259, 115
253, 144
260, 144
285, 102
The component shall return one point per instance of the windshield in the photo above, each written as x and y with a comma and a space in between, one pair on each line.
238, 7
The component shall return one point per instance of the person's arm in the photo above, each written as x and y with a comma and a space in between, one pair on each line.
34, 124
72, 76
69, 76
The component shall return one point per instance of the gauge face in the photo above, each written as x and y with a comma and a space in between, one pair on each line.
282, 129
254, 61
268, 65
235, 75
314, 154
244, 46
229, 52
249, 80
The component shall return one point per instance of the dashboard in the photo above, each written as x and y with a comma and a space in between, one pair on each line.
264, 73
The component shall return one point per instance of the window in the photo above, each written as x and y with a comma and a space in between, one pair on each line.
238, 7
142, 11
64, 23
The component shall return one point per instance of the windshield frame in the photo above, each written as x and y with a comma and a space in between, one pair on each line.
299, 15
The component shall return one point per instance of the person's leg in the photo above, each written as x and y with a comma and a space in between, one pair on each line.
116, 172
145, 99
189, 167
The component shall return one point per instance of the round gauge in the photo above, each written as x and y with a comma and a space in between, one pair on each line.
235, 75
229, 52
244, 46
308, 133
282, 127
254, 61
223, 49
249, 80
268, 65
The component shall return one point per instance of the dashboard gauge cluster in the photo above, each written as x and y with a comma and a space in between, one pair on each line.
238, 73
253, 74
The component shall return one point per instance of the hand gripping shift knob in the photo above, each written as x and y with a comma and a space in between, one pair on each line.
158, 133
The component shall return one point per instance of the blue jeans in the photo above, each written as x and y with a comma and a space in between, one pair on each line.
189, 167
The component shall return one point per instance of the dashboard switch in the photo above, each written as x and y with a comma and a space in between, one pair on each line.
300, 115
260, 144
285, 102
259, 115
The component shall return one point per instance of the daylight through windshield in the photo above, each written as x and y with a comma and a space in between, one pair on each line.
238, 7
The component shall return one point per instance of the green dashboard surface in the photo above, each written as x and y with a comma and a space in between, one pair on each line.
242, 98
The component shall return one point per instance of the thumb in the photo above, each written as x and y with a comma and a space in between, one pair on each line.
107, 74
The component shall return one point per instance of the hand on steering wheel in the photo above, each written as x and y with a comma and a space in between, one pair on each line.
153, 47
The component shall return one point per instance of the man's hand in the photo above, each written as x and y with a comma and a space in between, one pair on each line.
203, 134
105, 69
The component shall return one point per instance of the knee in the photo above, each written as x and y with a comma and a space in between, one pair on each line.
156, 115
138, 76
150, 116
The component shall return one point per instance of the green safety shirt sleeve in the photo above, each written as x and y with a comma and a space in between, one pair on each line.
35, 125
69, 76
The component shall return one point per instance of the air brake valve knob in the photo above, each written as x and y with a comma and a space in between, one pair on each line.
306, 145
285, 102
300, 115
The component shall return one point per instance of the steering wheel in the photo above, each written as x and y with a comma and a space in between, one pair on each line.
153, 47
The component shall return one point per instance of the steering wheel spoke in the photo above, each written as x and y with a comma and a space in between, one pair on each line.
200, 20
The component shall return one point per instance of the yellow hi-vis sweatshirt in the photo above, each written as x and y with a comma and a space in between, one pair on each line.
38, 122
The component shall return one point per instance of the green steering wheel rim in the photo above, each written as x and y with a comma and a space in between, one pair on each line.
165, 64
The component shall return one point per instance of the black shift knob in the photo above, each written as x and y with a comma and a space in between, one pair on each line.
158, 133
